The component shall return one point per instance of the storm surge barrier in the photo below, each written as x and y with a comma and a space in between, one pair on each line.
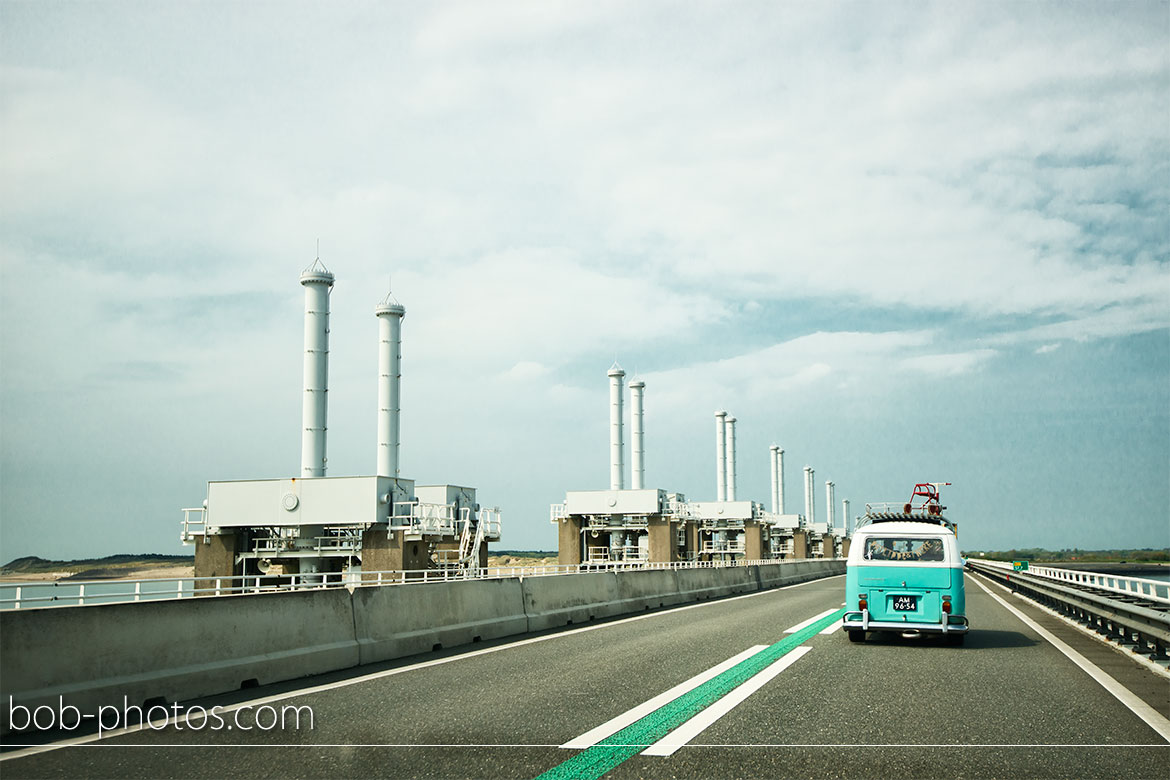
178, 649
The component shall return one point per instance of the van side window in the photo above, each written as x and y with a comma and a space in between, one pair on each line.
900, 548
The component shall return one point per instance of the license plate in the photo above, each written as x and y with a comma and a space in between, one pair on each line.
905, 603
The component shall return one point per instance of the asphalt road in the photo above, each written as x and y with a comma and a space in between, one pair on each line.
1007, 704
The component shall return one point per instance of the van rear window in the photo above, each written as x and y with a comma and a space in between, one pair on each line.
900, 548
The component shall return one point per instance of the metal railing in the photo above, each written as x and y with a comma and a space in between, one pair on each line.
193, 526
67, 593
1155, 590
736, 547
416, 517
1126, 617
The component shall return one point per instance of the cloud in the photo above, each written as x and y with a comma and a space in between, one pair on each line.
953, 364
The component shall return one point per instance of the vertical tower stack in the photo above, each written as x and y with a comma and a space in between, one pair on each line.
780, 481
775, 472
390, 314
617, 479
730, 458
318, 282
720, 456
830, 504
638, 466
810, 501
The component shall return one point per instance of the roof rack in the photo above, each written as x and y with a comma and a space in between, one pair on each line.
886, 513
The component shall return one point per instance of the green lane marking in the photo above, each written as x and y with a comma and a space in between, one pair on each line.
592, 763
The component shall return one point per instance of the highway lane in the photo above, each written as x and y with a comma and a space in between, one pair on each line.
1007, 703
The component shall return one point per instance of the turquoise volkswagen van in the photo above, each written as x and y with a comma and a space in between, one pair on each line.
905, 574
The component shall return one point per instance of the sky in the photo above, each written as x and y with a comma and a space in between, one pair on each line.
907, 242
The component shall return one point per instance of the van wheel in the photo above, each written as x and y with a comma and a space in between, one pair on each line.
856, 636
956, 639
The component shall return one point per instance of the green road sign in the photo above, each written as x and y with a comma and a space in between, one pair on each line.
1019, 565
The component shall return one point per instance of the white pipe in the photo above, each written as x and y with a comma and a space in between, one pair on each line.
806, 518
617, 477
720, 456
831, 504
810, 501
637, 389
317, 282
848, 522
780, 480
730, 458
390, 314
771, 470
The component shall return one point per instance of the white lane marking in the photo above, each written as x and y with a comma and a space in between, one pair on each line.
829, 629
1152, 717
696, 725
809, 622
614, 725
75, 741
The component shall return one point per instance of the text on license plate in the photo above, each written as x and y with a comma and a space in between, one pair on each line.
905, 603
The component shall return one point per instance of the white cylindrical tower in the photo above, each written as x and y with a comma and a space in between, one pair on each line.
773, 452
846, 522
780, 481
730, 458
720, 456
831, 505
810, 500
390, 314
638, 466
617, 477
318, 282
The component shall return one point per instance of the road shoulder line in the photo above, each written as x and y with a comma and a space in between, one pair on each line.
1148, 714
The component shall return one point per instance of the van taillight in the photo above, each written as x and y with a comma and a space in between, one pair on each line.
946, 604
862, 604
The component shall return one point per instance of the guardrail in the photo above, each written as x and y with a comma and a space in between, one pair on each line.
1127, 617
72, 593
1155, 590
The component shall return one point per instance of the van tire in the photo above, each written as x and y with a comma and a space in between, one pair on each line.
956, 640
856, 636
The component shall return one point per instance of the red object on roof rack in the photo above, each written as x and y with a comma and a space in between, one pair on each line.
931, 504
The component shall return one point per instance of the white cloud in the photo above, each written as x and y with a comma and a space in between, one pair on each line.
951, 364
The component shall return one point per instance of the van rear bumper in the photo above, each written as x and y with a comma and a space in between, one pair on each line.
860, 621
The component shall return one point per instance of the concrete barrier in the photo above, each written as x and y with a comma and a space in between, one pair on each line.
116, 654
111, 654
552, 602
638, 591
699, 584
397, 621
791, 572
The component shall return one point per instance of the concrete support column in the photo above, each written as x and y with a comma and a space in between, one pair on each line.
569, 550
799, 545
828, 546
385, 550
663, 545
692, 537
753, 534
216, 557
